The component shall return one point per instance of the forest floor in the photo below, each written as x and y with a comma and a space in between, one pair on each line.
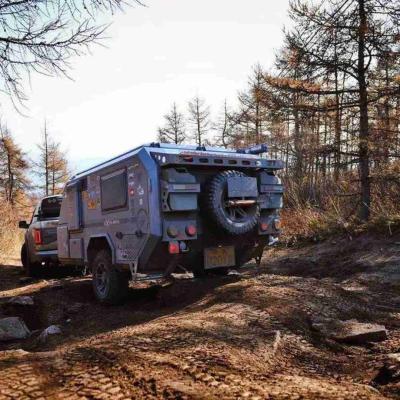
251, 335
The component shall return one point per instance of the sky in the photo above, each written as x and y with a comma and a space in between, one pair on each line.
170, 50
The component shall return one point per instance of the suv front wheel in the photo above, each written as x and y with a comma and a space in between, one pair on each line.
110, 285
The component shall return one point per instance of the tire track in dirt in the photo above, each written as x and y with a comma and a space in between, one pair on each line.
244, 338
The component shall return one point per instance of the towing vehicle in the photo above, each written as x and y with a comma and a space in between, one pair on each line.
40, 245
161, 208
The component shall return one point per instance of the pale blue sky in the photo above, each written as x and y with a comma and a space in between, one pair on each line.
166, 52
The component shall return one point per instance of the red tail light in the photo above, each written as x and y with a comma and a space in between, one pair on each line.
37, 236
173, 248
191, 230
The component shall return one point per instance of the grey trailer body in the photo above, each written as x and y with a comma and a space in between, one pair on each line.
159, 208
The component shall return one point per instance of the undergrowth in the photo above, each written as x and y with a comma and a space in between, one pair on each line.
316, 210
10, 235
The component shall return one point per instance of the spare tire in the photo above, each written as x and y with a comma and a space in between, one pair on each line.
234, 220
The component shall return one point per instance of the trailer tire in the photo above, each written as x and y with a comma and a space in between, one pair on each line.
235, 221
110, 286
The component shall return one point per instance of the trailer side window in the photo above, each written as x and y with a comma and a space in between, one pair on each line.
114, 191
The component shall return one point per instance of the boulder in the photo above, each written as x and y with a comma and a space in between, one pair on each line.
51, 330
13, 328
351, 331
354, 332
21, 301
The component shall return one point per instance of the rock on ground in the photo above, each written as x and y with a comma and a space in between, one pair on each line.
351, 331
21, 301
13, 328
51, 330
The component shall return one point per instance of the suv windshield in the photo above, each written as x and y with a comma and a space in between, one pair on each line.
50, 207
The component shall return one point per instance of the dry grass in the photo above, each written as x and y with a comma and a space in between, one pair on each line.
10, 235
320, 209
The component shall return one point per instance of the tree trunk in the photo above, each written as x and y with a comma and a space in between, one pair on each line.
364, 153
298, 168
46, 159
338, 127
10, 194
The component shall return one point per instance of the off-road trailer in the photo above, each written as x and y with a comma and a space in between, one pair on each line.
162, 208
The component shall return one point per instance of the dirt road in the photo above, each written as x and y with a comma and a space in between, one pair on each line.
249, 336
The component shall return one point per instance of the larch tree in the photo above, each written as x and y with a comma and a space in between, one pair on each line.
251, 116
285, 95
52, 166
345, 39
14, 181
173, 130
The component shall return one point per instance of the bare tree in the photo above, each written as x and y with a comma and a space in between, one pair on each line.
199, 118
52, 166
225, 127
42, 36
173, 130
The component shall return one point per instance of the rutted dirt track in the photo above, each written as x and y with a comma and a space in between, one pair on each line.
248, 336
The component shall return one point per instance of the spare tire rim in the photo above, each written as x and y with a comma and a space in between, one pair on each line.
237, 213
101, 278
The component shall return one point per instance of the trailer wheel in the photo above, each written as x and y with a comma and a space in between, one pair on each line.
234, 220
110, 286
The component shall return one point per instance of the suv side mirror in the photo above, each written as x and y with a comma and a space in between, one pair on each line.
23, 225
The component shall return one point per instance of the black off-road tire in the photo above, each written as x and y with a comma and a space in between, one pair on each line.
199, 272
216, 196
32, 270
110, 286
24, 256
